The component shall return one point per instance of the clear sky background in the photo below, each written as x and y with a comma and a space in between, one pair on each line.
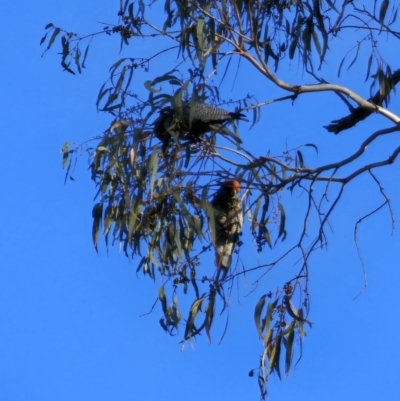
70, 325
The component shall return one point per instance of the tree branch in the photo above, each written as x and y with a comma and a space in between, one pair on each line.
360, 113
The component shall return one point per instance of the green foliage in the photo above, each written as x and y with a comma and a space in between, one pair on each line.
274, 330
154, 190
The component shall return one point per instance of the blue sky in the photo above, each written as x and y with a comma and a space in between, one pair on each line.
70, 325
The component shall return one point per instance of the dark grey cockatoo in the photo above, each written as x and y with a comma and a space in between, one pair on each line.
206, 118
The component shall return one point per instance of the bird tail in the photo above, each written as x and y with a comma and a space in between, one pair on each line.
221, 129
237, 115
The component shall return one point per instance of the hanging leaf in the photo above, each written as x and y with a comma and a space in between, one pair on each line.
275, 356
340, 66
209, 314
300, 159
132, 157
313, 146
43, 38
65, 153
53, 37
147, 85
282, 231
194, 310
199, 38
382, 11
85, 56
289, 348
162, 298
356, 56
97, 213
369, 66
77, 60
316, 43
291, 310
257, 315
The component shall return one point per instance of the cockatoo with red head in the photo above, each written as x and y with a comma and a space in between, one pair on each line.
228, 221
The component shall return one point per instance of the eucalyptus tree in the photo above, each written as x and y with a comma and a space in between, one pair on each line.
154, 179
